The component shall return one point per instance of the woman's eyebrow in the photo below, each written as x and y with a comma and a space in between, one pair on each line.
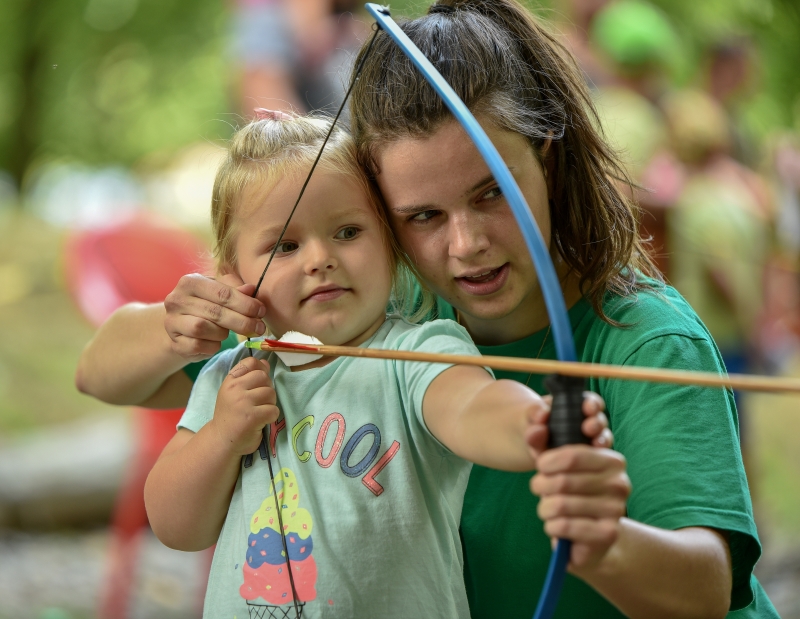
484, 181
420, 208
412, 209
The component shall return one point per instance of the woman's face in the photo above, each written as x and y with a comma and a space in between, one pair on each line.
452, 219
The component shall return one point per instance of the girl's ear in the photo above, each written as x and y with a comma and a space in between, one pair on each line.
229, 272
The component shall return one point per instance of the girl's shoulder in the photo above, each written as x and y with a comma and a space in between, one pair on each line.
400, 334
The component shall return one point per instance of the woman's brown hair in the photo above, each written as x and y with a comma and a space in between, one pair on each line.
508, 69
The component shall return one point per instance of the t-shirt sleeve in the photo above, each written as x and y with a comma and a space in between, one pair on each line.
682, 448
437, 336
200, 408
193, 369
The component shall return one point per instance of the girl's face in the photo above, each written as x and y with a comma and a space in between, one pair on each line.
331, 276
451, 218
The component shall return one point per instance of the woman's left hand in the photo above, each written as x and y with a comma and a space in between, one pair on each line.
594, 427
583, 493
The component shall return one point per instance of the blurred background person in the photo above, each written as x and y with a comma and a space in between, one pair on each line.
718, 232
294, 54
575, 19
731, 79
779, 327
638, 44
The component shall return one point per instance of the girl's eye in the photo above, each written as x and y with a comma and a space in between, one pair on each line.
287, 247
491, 194
424, 216
347, 233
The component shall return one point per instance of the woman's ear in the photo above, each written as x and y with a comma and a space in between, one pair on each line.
548, 164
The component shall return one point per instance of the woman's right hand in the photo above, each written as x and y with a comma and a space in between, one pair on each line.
201, 311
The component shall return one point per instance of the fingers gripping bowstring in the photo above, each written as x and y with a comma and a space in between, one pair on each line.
265, 431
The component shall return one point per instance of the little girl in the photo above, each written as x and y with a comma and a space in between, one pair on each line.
371, 458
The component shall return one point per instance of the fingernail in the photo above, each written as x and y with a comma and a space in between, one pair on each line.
260, 327
262, 311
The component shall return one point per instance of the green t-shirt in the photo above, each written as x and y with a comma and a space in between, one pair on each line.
371, 501
193, 369
680, 442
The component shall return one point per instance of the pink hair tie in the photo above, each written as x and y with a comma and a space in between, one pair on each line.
265, 114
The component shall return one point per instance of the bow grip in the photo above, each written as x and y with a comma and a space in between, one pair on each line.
566, 415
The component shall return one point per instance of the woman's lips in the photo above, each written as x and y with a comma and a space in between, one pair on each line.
487, 283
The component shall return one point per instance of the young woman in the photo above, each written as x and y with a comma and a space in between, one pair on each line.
689, 518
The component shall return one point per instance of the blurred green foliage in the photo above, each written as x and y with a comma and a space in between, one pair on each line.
115, 80
109, 80
772, 26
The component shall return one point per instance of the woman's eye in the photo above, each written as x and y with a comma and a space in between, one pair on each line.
287, 247
494, 192
424, 216
347, 233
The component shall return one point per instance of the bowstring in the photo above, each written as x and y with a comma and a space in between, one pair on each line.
248, 460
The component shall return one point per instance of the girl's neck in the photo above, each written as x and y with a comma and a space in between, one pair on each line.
357, 341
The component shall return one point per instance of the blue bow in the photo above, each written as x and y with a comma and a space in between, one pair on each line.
554, 299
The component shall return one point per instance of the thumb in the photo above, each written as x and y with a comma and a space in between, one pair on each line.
536, 437
247, 289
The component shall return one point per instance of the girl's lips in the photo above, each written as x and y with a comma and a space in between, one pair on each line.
327, 295
488, 284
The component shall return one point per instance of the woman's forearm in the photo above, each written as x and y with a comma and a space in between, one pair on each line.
649, 573
129, 358
189, 490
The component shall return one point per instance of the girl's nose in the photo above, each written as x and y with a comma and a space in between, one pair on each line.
467, 237
319, 257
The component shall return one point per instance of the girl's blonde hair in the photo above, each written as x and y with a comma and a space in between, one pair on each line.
267, 150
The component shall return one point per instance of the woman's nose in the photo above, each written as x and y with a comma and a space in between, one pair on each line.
467, 238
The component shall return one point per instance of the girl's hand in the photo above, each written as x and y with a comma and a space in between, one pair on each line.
583, 492
245, 404
595, 426
201, 311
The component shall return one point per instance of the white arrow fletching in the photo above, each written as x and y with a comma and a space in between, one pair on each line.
291, 359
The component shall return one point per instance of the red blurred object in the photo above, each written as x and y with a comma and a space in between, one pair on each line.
138, 259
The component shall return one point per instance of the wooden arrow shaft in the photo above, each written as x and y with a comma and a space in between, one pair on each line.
546, 366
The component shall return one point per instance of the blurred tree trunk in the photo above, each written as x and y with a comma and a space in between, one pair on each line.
21, 138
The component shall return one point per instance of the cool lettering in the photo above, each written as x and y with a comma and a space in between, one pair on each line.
370, 464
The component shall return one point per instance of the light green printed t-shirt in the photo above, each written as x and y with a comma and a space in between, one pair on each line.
370, 500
